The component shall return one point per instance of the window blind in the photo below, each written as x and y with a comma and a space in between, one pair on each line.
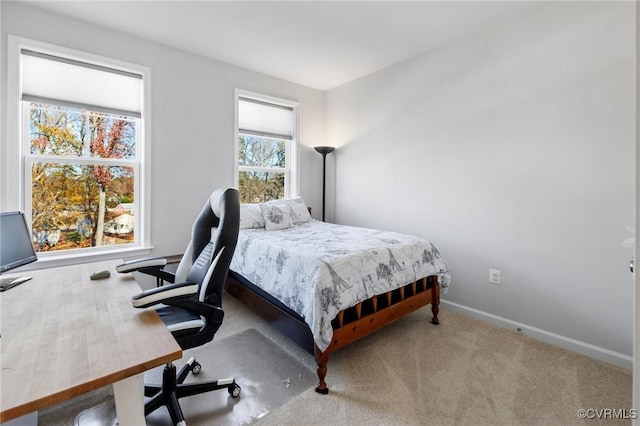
61, 81
261, 118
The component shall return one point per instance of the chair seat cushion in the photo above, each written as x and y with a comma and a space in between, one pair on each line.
180, 320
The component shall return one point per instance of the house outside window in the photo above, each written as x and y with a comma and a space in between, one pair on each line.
266, 147
81, 150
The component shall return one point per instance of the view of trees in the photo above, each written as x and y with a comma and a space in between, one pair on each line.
78, 178
262, 161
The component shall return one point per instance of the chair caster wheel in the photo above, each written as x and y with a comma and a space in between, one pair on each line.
196, 367
234, 390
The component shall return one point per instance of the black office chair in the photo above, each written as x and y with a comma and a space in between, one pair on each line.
192, 305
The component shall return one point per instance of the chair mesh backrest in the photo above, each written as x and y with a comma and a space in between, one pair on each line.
215, 229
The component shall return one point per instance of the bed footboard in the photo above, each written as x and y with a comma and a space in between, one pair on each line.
366, 317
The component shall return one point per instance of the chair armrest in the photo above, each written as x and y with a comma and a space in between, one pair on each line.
136, 264
214, 314
165, 294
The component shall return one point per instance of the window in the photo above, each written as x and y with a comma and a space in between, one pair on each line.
81, 150
266, 147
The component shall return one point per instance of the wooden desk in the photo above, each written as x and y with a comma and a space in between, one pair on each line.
63, 334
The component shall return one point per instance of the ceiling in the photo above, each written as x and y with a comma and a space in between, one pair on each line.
319, 44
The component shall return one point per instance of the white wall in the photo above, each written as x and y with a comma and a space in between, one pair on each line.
192, 116
513, 150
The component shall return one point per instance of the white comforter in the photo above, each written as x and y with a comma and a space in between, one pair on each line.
318, 269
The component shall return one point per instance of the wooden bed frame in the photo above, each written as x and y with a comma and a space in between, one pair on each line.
349, 325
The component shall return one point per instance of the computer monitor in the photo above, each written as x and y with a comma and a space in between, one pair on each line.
16, 248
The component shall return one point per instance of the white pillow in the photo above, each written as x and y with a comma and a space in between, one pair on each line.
276, 215
299, 211
251, 216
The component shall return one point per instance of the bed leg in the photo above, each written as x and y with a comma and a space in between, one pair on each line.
435, 301
321, 359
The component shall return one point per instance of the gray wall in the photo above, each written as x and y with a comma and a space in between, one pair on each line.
192, 116
513, 150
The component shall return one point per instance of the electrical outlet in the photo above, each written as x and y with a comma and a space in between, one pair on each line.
494, 276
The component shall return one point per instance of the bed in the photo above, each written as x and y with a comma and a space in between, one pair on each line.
326, 285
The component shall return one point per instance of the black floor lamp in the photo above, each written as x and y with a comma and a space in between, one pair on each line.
324, 150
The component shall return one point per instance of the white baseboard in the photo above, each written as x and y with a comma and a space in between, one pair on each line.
606, 355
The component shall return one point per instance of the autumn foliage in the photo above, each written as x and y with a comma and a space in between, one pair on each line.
75, 156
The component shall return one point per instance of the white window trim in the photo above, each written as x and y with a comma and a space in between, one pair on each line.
13, 162
292, 161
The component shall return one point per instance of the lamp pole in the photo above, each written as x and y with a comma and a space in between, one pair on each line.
324, 150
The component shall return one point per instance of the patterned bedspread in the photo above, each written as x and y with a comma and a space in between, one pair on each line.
318, 269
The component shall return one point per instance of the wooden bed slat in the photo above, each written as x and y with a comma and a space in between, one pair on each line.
370, 323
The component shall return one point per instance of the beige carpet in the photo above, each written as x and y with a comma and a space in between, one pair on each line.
462, 372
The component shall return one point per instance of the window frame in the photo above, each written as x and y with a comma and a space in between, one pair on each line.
292, 160
16, 158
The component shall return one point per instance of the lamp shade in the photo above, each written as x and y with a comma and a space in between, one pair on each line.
324, 150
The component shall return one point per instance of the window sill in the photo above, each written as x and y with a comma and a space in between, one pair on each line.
56, 260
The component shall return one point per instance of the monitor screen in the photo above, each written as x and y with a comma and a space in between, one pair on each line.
16, 248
